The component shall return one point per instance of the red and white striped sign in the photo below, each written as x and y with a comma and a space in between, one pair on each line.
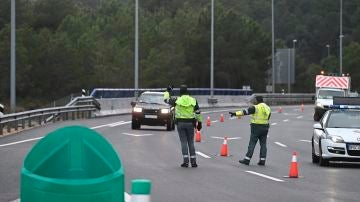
332, 81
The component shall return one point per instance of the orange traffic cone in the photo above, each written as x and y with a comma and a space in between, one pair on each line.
208, 122
222, 118
302, 107
197, 136
280, 110
224, 148
293, 167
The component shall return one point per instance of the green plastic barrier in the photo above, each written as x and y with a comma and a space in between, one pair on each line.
72, 164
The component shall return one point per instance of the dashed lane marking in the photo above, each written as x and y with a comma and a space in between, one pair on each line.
137, 135
280, 144
214, 121
305, 141
273, 124
22, 141
286, 120
120, 123
265, 176
229, 138
299, 117
203, 155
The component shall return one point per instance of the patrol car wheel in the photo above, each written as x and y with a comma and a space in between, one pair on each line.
169, 125
322, 161
315, 159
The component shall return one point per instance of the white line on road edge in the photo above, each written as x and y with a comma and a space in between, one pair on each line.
299, 117
265, 176
280, 144
286, 120
95, 127
203, 155
116, 123
137, 135
273, 124
28, 140
305, 141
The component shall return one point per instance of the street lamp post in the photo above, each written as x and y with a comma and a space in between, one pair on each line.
328, 50
136, 73
272, 46
212, 52
341, 38
13, 56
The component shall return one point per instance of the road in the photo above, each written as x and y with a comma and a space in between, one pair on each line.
154, 153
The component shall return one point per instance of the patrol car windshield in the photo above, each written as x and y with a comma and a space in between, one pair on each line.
152, 98
329, 94
344, 119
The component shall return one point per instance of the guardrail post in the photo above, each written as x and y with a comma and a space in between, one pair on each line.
73, 115
16, 125
23, 124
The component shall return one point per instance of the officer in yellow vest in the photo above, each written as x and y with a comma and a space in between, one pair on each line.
187, 117
260, 115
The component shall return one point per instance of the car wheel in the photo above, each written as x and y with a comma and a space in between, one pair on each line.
315, 159
135, 125
322, 161
173, 125
169, 125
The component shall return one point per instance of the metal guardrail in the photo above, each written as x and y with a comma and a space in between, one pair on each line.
285, 99
80, 107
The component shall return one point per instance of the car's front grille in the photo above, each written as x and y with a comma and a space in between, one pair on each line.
352, 152
150, 111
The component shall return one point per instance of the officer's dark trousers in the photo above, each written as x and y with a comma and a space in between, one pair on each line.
258, 132
186, 135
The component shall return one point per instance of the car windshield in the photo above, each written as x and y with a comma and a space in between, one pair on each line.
329, 94
344, 119
152, 98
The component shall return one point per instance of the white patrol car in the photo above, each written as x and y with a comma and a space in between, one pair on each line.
337, 136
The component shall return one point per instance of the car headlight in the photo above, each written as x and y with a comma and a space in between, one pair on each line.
165, 111
137, 109
318, 104
336, 139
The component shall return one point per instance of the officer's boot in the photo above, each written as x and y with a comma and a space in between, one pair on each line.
193, 162
185, 164
245, 161
261, 163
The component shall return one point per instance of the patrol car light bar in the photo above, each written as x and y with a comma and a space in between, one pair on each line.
344, 107
347, 101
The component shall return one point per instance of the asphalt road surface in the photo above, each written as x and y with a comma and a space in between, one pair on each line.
154, 153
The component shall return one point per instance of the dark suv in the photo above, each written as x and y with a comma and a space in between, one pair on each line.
150, 109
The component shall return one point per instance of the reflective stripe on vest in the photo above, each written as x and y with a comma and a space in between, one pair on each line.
262, 113
184, 108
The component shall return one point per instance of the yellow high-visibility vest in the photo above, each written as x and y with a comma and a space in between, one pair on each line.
261, 115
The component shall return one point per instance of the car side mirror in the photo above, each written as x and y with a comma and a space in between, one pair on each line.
133, 103
318, 126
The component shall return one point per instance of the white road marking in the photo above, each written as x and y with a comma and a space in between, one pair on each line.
229, 138
265, 176
286, 120
273, 124
214, 121
280, 144
115, 124
203, 155
305, 141
22, 141
299, 117
120, 123
101, 126
137, 135
232, 118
